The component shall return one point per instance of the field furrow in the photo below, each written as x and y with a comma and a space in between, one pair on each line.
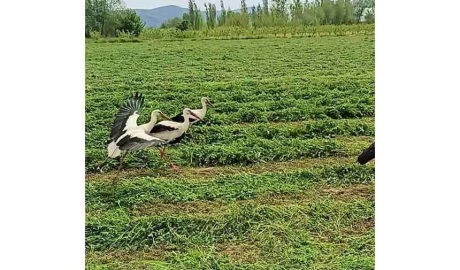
142, 190
197, 173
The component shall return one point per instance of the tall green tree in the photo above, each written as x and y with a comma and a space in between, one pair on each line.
108, 17
339, 11
257, 16
296, 12
244, 7
243, 17
314, 14
185, 24
328, 9
194, 15
349, 13
96, 14
223, 14
265, 7
370, 12
211, 15
279, 8
131, 22
259, 10
198, 19
254, 17
359, 7
191, 13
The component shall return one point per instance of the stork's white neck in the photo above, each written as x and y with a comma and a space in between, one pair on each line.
151, 124
204, 108
186, 123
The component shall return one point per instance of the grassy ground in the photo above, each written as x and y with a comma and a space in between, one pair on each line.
268, 181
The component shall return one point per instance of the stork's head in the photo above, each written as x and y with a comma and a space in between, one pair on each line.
157, 113
205, 100
188, 112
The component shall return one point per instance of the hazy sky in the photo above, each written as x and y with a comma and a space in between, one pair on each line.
148, 4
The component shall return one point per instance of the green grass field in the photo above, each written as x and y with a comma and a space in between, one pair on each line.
268, 181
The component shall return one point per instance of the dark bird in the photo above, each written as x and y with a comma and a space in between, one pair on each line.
367, 155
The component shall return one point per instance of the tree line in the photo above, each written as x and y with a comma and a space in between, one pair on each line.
278, 13
110, 18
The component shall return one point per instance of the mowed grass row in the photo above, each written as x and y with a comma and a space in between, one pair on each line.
282, 241
275, 229
292, 254
241, 151
202, 134
306, 219
138, 191
245, 144
296, 250
288, 99
213, 134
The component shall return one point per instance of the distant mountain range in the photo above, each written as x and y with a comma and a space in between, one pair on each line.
155, 17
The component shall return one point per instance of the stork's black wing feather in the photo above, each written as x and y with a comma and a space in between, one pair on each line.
367, 155
159, 128
135, 143
129, 107
178, 118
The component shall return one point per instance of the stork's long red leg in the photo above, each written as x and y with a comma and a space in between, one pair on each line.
162, 153
166, 159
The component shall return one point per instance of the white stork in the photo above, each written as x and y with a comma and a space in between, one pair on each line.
171, 131
201, 113
126, 135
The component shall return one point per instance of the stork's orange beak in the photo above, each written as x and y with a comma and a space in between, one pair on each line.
165, 116
195, 115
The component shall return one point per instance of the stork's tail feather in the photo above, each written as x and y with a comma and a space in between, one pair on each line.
113, 150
